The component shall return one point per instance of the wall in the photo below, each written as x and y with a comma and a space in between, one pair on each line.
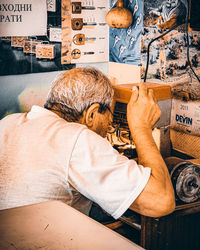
12, 86
19, 92
21, 84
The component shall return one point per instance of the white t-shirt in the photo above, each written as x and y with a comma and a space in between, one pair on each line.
43, 157
104, 176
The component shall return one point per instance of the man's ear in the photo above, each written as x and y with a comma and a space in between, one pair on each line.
91, 114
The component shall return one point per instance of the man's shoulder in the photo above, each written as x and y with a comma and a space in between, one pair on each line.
9, 122
11, 117
94, 140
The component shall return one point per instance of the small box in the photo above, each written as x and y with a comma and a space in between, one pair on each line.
122, 94
45, 51
162, 94
30, 46
18, 41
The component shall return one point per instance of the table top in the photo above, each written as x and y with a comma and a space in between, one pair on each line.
55, 225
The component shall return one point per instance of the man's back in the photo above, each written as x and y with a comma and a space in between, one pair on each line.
35, 150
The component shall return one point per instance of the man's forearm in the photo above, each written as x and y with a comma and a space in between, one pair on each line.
160, 192
148, 153
149, 156
157, 198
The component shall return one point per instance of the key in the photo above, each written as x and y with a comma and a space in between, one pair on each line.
77, 23
76, 53
80, 39
77, 7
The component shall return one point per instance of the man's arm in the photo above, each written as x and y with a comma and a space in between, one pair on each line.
157, 198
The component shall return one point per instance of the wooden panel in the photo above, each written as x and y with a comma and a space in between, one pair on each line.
66, 32
173, 232
123, 91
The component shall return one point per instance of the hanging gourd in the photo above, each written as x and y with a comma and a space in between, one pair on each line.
119, 17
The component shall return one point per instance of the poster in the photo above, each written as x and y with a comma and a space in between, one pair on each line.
168, 55
23, 18
125, 44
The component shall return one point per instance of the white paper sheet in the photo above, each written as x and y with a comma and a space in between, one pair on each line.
23, 17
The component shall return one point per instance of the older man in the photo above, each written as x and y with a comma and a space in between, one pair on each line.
59, 152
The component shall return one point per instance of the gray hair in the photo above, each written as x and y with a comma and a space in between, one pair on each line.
77, 89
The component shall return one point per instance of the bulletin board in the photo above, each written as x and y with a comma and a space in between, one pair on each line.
40, 50
53, 35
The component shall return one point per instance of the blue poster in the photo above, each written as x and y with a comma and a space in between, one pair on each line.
168, 62
125, 44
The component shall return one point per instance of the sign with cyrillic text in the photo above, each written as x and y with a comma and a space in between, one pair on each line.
23, 17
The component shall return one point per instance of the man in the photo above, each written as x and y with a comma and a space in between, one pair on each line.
59, 152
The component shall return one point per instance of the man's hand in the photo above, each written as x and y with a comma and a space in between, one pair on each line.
142, 109
157, 198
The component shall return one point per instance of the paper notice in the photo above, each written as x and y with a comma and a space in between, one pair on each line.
23, 17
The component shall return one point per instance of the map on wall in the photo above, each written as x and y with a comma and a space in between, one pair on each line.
168, 55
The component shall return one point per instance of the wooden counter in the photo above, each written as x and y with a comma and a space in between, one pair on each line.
54, 225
